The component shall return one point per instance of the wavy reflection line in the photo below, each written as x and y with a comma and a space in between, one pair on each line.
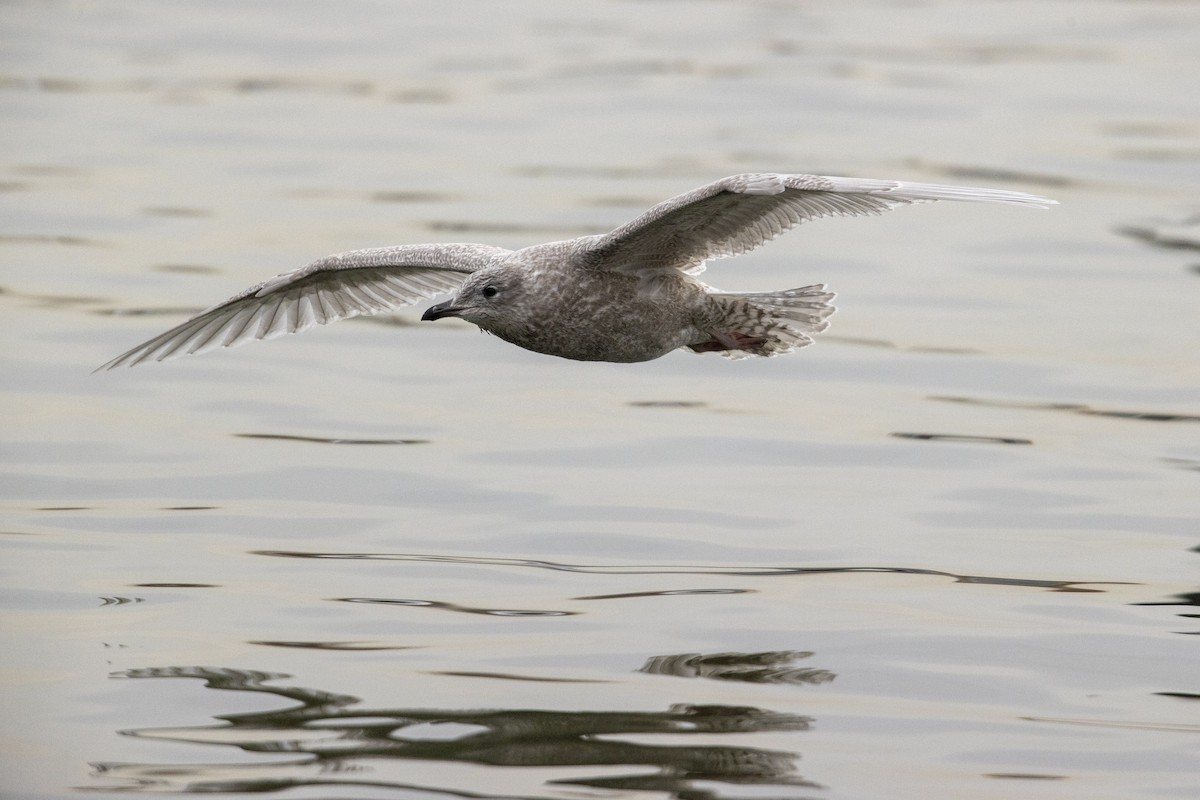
1175, 232
1172, 727
287, 437
492, 612
667, 404
961, 437
352, 646
331, 742
505, 676
1074, 408
663, 569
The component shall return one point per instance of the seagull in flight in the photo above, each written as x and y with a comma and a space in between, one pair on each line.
628, 295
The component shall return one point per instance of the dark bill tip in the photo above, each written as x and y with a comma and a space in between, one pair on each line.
438, 311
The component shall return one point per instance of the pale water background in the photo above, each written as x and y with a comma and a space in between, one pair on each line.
947, 552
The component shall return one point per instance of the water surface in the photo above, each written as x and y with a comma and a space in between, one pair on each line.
947, 552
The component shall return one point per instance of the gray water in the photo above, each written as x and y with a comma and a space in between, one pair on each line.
947, 552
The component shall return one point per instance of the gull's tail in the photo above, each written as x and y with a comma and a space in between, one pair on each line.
767, 323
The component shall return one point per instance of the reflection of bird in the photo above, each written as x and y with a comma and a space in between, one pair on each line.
574, 742
628, 295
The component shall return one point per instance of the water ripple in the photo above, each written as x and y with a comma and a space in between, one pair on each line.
667, 569
504, 676
493, 612
1075, 408
287, 437
1180, 232
352, 646
961, 437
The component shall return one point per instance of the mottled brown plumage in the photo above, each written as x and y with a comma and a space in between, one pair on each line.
628, 295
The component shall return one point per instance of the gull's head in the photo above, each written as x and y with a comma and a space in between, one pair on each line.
490, 298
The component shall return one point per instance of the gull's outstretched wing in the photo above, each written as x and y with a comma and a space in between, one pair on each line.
336, 287
737, 214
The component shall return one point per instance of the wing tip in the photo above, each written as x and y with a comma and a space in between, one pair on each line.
968, 194
913, 191
127, 360
123, 360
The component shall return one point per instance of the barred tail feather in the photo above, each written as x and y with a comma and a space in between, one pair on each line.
768, 323
807, 308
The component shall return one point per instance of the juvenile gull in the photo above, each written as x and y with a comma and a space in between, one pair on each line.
629, 295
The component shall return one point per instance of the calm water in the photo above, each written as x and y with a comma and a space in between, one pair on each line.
948, 552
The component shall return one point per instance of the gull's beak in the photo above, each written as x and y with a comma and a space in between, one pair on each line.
440, 310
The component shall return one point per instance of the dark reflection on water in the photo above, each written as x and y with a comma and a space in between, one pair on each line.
1180, 232
325, 440
1120, 724
657, 569
51, 301
331, 742
668, 404
1189, 601
493, 612
508, 676
334, 645
1186, 599
1076, 408
769, 667
961, 437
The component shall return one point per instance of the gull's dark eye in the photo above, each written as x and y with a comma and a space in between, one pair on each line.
490, 291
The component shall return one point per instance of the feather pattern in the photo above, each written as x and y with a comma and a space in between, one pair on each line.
337, 287
737, 214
